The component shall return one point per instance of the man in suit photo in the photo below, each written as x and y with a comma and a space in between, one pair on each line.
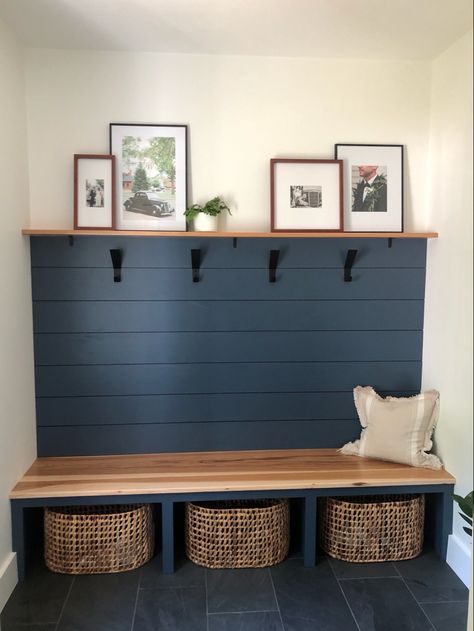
370, 192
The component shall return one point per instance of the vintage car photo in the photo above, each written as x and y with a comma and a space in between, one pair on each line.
148, 203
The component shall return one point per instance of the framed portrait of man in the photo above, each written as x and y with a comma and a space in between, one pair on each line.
373, 187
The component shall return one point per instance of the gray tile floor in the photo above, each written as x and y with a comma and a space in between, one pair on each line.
417, 595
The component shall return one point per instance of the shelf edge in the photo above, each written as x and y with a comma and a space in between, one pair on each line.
32, 232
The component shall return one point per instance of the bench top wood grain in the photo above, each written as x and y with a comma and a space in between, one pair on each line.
215, 471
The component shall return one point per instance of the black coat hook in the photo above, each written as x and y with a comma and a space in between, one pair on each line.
196, 264
272, 265
116, 256
350, 258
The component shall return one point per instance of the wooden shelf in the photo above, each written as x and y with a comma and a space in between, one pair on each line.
216, 235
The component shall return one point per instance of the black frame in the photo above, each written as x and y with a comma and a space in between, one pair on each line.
181, 125
402, 175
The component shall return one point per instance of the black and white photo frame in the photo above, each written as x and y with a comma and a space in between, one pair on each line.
373, 187
94, 192
306, 195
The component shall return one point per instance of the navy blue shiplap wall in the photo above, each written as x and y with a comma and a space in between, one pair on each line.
158, 363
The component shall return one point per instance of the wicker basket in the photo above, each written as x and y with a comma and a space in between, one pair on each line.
98, 539
235, 533
377, 528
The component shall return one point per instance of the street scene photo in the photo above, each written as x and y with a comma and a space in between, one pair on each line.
149, 176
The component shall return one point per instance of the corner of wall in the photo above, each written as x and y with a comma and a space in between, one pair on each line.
17, 411
447, 348
459, 559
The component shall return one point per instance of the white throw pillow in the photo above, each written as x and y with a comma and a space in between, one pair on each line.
397, 429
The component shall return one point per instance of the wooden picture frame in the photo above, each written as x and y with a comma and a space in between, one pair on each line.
306, 195
373, 187
94, 192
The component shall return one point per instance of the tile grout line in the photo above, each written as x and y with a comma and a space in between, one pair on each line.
65, 603
344, 595
276, 599
134, 613
413, 596
445, 602
207, 600
239, 613
366, 578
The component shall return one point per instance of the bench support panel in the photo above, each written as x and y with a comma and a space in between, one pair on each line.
18, 537
309, 530
167, 537
440, 498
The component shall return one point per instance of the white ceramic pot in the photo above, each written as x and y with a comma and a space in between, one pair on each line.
205, 223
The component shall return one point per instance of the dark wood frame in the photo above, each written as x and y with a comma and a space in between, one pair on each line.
402, 192
275, 161
185, 127
87, 156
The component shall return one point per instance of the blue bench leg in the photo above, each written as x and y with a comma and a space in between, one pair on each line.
309, 532
167, 538
443, 516
18, 537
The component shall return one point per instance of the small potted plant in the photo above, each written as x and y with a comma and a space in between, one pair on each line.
205, 217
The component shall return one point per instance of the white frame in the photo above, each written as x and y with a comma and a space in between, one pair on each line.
388, 156
140, 221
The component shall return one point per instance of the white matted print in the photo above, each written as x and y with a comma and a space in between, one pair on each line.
150, 176
306, 195
94, 191
373, 187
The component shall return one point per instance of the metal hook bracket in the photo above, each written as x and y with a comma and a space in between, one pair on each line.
116, 256
350, 258
196, 264
272, 265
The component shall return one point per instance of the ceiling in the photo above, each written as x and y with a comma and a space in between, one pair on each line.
375, 29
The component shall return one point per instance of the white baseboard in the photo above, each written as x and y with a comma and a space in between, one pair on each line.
459, 559
8, 578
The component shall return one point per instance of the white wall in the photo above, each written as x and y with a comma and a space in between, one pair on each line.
17, 414
241, 112
447, 357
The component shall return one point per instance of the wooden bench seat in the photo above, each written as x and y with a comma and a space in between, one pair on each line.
81, 476
176, 477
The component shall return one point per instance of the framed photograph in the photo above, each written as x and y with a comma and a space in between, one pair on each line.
94, 191
150, 176
306, 195
373, 187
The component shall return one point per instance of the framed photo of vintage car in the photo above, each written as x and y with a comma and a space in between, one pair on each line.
306, 195
373, 187
94, 192
150, 176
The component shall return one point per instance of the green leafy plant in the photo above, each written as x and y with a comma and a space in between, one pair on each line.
213, 207
465, 504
